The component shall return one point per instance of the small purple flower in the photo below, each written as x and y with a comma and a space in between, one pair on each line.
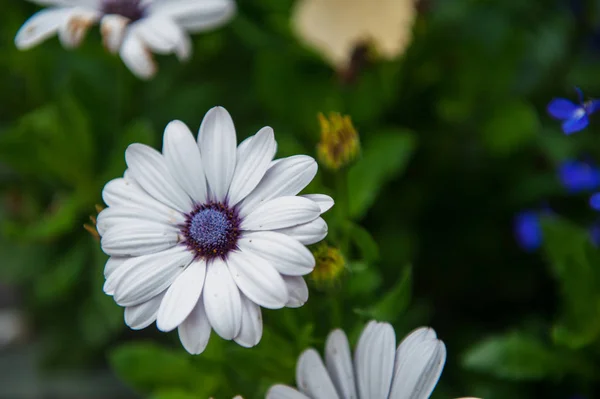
595, 201
575, 117
578, 176
528, 230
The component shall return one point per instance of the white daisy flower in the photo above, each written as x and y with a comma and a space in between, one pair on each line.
379, 370
203, 235
134, 28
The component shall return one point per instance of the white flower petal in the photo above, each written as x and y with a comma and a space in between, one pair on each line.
284, 392
217, 142
113, 263
257, 279
113, 28
181, 296
286, 254
125, 215
251, 165
252, 327
196, 16
420, 359
297, 289
194, 332
141, 316
222, 300
325, 202
374, 360
139, 238
339, 364
127, 193
146, 276
137, 56
183, 160
163, 36
280, 213
76, 25
40, 26
312, 377
148, 168
307, 233
286, 177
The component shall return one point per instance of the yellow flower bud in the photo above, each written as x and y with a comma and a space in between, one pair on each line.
329, 264
340, 144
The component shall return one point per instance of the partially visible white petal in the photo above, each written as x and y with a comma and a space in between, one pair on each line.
125, 215
196, 16
312, 377
194, 332
374, 360
181, 297
125, 192
284, 392
280, 213
325, 202
307, 233
141, 316
222, 300
40, 26
420, 359
139, 238
251, 165
76, 25
149, 169
252, 327
113, 263
339, 364
298, 291
286, 177
183, 160
162, 35
257, 279
137, 56
217, 142
113, 28
286, 254
146, 276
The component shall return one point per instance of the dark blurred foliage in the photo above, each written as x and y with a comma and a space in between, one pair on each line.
455, 140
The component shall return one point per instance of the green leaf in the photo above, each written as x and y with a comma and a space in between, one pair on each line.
516, 356
58, 280
174, 394
49, 141
148, 367
395, 301
575, 264
511, 127
384, 157
364, 241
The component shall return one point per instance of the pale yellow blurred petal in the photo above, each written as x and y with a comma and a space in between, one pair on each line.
335, 27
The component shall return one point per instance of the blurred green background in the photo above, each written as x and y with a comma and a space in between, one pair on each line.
455, 142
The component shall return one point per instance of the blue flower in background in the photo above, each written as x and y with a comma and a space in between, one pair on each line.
578, 176
575, 117
528, 230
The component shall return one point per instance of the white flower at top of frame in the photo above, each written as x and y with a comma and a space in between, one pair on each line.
133, 28
336, 27
379, 369
204, 234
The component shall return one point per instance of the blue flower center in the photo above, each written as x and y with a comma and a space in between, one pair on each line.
211, 230
131, 9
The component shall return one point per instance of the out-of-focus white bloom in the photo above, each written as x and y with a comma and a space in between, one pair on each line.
133, 28
204, 234
336, 27
379, 370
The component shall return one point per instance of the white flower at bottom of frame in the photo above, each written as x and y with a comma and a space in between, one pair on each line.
379, 370
134, 28
205, 233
